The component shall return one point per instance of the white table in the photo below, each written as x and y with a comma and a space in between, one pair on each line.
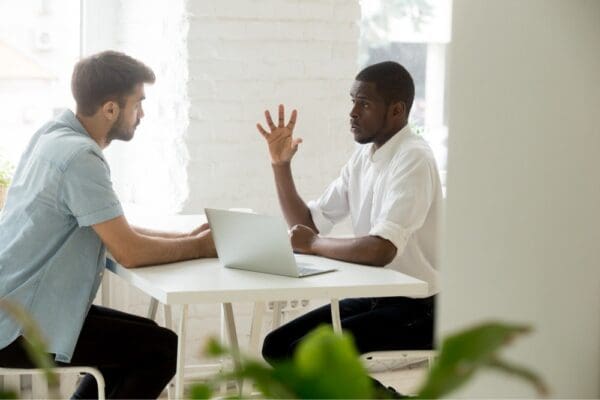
206, 281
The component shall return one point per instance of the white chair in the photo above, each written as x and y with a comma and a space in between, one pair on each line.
37, 375
401, 355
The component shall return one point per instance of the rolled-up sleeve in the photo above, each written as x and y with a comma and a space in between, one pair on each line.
87, 190
333, 205
408, 196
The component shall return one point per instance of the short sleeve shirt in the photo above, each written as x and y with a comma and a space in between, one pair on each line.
395, 193
51, 259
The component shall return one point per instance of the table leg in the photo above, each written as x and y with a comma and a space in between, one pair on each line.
179, 373
232, 336
256, 328
168, 316
167, 313
105, 290
152, 309
335, 316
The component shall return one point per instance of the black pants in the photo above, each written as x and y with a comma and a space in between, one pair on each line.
136, 357
387, 323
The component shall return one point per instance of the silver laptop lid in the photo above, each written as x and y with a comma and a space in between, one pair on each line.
253, 242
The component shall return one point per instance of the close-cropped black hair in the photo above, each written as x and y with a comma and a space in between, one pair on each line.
392, 81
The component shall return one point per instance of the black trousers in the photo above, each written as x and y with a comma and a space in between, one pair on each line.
377, 324
136, 357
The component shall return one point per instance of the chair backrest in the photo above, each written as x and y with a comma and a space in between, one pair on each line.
11, 380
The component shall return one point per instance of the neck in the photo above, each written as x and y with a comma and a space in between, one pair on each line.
379, 142
95, 129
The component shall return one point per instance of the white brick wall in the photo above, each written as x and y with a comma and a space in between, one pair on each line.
246, 56
237, 58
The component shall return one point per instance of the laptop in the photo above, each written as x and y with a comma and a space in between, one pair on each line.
257, 243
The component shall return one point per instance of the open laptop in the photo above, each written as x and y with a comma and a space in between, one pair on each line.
257, 243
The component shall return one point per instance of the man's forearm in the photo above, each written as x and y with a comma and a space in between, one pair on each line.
159, 234
149, 250
294, 209
368, 250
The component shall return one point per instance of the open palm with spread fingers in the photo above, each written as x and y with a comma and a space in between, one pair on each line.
282, 145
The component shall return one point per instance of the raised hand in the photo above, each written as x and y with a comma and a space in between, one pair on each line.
282, 145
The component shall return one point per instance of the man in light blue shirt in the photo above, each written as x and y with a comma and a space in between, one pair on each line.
60, 216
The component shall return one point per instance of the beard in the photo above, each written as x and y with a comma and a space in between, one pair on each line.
119, 131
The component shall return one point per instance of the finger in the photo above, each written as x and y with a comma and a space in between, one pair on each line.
281, 115
262, 131
295, 143
292, 122
269, 120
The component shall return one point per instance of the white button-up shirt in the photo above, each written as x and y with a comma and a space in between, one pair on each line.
394, 193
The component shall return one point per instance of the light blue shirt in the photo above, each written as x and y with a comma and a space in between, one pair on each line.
51, 259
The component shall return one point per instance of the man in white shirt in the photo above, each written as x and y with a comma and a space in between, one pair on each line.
391, 190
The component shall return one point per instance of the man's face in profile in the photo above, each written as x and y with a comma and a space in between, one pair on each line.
369, 112
129, 116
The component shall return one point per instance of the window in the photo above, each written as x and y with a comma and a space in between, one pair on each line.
414, 33
39, 43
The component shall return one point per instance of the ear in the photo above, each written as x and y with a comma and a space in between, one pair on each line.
399, 109
111, 110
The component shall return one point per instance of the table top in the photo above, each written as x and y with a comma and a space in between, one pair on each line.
207, 281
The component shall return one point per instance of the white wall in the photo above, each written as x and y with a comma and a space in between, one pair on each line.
524, 186
247, 56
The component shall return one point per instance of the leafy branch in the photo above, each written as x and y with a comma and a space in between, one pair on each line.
327, 365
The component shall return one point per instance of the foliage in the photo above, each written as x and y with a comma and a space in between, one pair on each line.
417, 129
464, 353
320, 364
35, 345
327, 365
6, 171
7, 395
376, 28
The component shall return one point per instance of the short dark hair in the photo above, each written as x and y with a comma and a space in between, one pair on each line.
106, 76
392, 81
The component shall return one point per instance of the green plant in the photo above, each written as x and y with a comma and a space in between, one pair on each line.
326, 365
6, 172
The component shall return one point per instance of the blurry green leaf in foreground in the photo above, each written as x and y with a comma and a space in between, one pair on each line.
328, 366
325, 366
464, 352
7, 395
35, 345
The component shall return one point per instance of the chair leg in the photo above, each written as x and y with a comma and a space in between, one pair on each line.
39, 387
67, 384
13, 383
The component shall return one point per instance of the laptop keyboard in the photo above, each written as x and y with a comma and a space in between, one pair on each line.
307, 271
